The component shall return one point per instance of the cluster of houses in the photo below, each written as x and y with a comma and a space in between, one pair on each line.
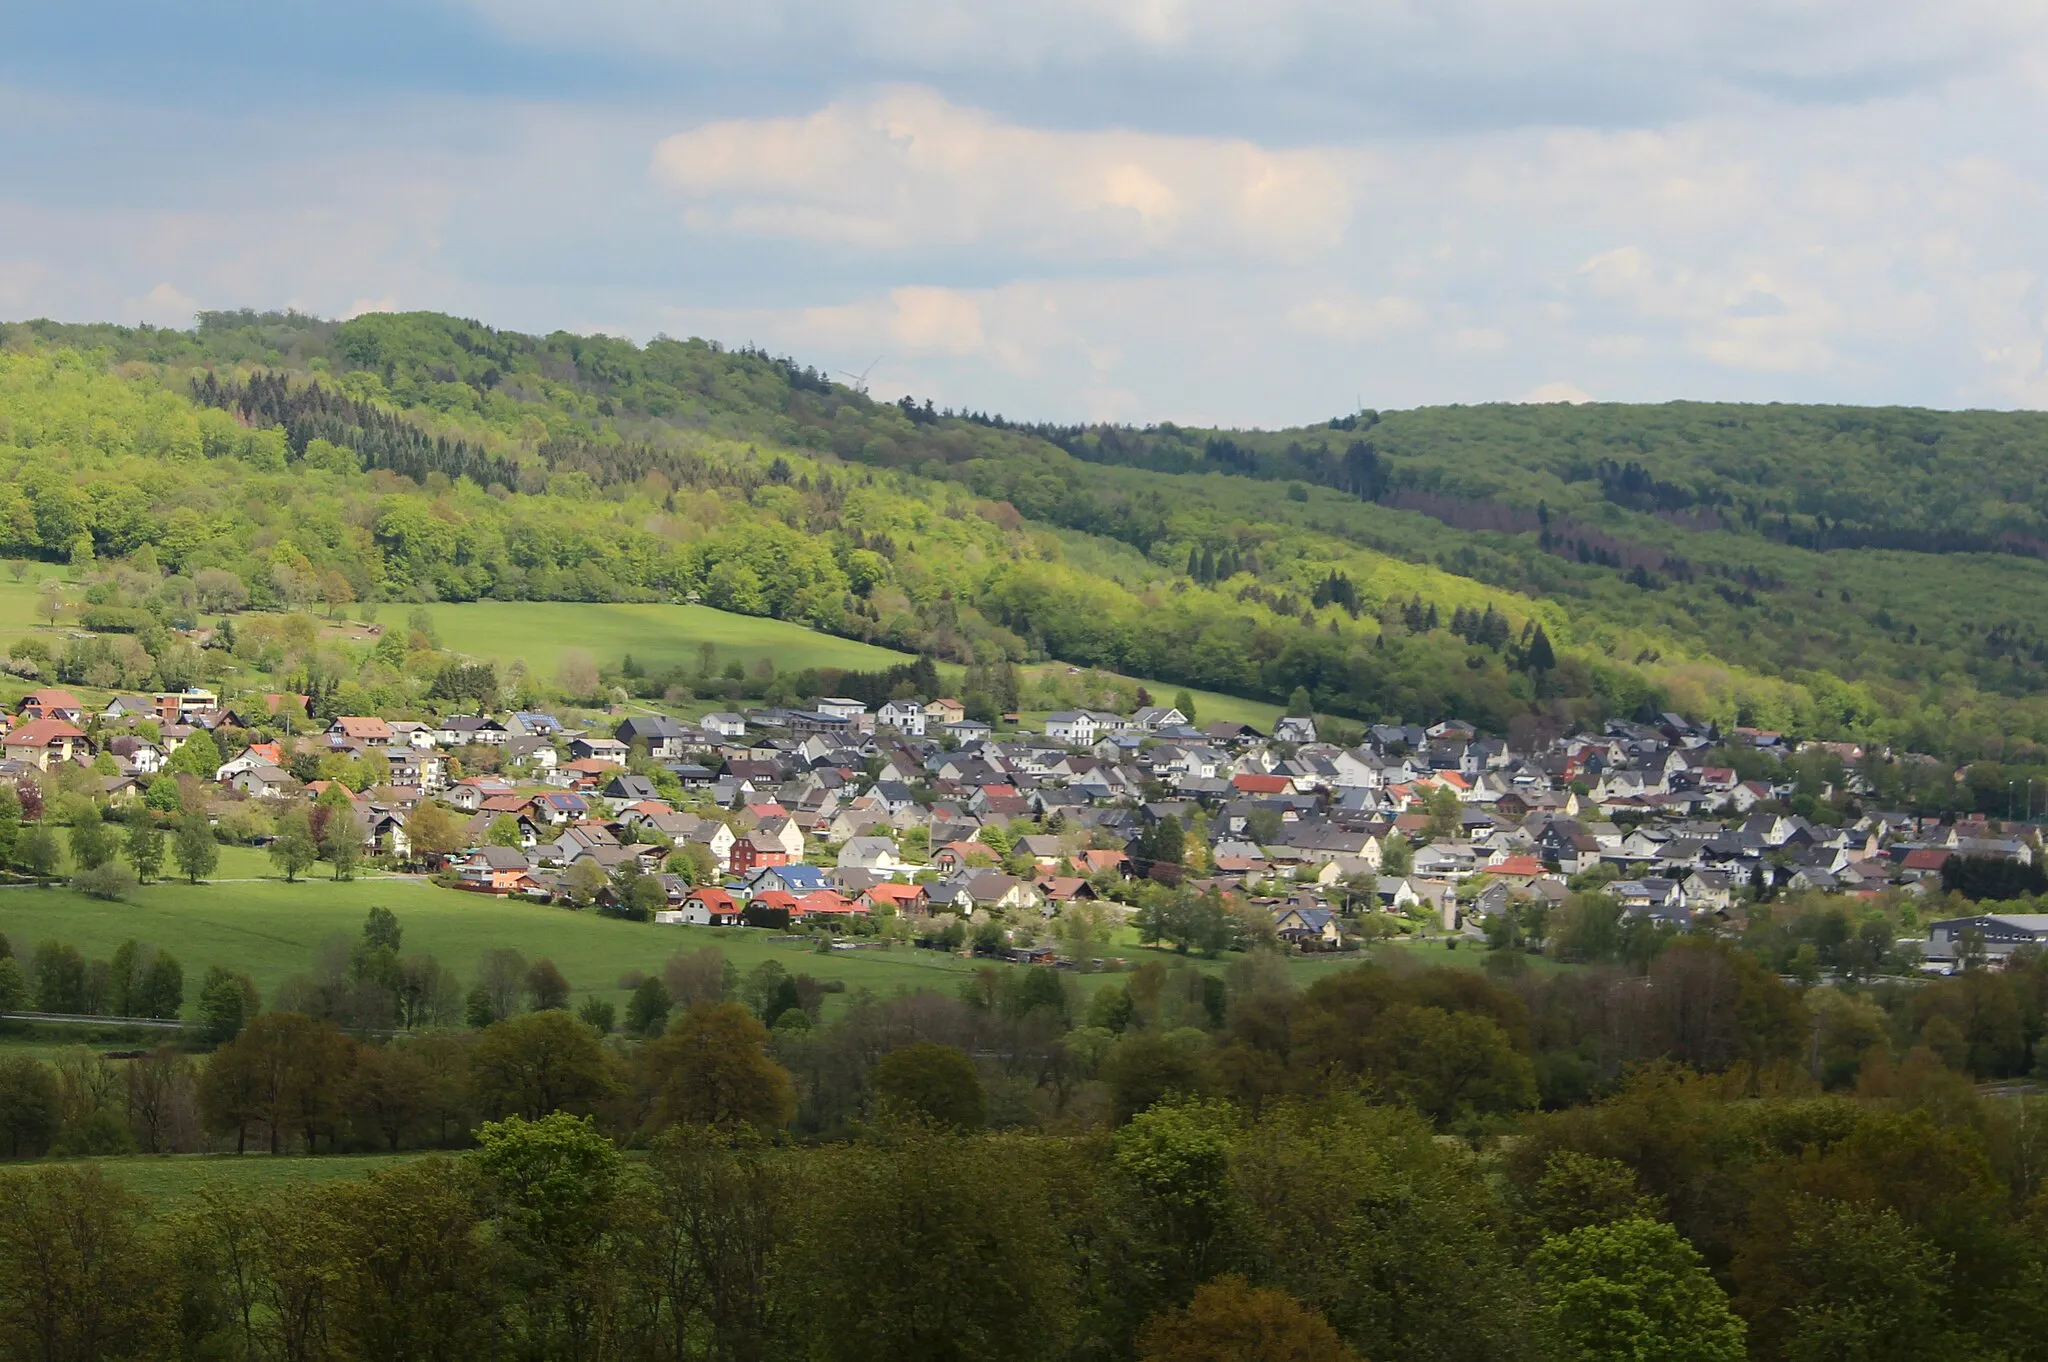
844, 810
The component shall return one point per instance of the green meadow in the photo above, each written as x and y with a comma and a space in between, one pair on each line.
166, 1180
539, 632
658, 635
270, 931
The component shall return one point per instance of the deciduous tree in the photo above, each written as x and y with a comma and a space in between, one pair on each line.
712, 1068
1231, 1321
540, 1063
937, 1083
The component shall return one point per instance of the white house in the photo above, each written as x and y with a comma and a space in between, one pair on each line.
724, 724
839, 707
1295, 728
905, 716
464, 730
265, 782
412, 733
1075, 726
876, 855
1154, 717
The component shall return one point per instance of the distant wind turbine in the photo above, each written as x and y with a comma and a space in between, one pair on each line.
860, 380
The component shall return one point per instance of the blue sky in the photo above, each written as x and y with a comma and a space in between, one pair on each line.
1122, 209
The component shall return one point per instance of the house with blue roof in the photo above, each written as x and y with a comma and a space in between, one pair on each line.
790, 879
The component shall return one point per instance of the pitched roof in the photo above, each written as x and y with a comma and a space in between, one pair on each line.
43, 732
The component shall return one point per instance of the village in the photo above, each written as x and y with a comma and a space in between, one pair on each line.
847, 816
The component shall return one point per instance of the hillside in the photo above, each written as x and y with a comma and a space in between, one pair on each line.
1870, 574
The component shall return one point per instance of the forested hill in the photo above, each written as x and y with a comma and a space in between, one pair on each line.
1842, 572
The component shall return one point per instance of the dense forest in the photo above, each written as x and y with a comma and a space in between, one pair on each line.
1840, 573
1667, 1151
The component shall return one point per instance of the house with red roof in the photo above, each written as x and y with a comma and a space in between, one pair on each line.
52, 702
1066, 889
825, 903
1923, 862
1253, 784
364, 730
907, 900
1517, 869
709, 906
45, 742
956, 855
1096, 860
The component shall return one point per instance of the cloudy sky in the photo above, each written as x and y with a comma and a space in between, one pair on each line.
1202, 210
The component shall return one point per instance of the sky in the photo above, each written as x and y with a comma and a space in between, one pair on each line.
1133, 210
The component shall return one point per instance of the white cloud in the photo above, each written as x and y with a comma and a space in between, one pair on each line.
1346, 317
1449, 62
1476, 340
163, 305
1556, 392
907, 168
1045, 221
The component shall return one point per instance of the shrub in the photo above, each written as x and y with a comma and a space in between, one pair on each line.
110, 880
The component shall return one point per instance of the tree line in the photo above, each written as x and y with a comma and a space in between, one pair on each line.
1691, 1157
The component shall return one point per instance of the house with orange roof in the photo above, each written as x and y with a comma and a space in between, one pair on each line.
1096, 861
52, 702
45, 742
586, 774
364, 730
955, 855
771, 908
706, 906
824, 903
495, 870
1517, 869
1063, 889
908, 900
253, 757
1255, 785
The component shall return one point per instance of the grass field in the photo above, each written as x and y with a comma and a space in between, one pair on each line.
660, 635
1210, 706
19, 600
165, 1181
270, 930
539, 632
